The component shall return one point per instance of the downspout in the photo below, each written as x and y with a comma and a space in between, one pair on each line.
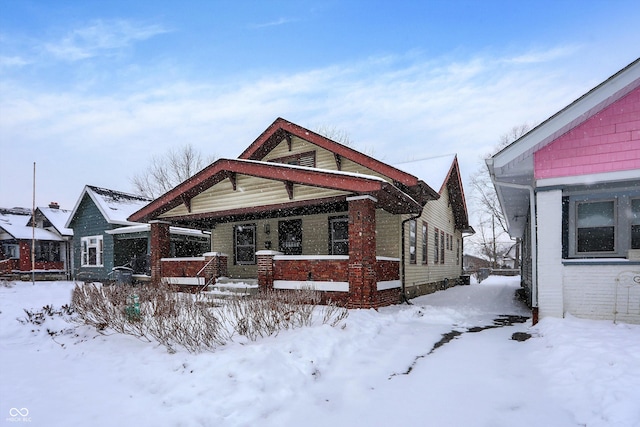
402, 265
534, 239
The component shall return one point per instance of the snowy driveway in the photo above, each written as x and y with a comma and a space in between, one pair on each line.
573, 372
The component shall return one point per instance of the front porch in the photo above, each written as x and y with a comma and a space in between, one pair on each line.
357, 279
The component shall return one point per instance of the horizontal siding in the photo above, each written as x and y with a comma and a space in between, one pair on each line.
315, 239
251, 191
325, 159
88, 221
387, 234
437, 214
608, 141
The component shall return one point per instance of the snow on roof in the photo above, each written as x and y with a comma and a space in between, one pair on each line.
58, 218
115, 206
432, 170
140, 228
15, 224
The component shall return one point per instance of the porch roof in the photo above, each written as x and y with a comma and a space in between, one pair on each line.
390, 197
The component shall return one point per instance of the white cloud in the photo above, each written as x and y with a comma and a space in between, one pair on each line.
101, 36
275, 23
393, 107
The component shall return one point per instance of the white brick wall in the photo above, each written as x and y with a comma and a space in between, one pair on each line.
550, 289
590, 292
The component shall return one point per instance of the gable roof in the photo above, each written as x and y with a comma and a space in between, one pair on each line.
407, 193
115, 206
14, 223
58, 219
389, 196
283, 129
515, 163
443, 172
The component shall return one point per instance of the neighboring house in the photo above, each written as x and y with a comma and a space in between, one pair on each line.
52, 241
575, 179
297, 209
510, 258
473, 263
104, 238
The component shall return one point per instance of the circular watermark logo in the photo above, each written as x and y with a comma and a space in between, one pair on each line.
18, 415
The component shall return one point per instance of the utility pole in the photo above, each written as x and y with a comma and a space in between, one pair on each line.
493, 231
33, 229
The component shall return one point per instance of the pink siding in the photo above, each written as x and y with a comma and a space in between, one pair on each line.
608, 141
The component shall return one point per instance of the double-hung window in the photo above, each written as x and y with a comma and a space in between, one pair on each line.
412, 241
603, 224
339, 236
91, 251
245, 244
425, 238
436, 246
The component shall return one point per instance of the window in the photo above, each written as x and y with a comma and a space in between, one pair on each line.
303, 159
10, 250
436, 246
424, 242
290, 237
595, 226
412, 242
457, 251
91, 251
245, 244
47, 251
602, 224
442, 247
635, 224
339, 236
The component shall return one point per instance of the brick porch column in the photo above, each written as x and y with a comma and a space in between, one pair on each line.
217, 267
362, 252
160, 247
25, 255
265, 269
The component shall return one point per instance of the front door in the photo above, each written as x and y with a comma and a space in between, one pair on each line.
290, 237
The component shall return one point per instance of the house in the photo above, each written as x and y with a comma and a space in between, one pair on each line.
18, 228
472, 263
570, 188
104, 238
296, 209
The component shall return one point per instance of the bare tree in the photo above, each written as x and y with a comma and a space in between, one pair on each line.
168, 170
492, 223
335, 134
343, 137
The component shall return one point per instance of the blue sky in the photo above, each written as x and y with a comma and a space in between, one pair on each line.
90, 90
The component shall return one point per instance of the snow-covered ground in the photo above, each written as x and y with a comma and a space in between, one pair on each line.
376, 371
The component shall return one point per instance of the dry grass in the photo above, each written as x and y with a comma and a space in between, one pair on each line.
197, 322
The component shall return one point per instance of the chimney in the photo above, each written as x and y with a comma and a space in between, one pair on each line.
54, 205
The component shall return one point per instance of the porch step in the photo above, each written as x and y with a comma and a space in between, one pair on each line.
225, 286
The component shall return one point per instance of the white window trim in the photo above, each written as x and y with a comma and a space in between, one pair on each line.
85, 244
